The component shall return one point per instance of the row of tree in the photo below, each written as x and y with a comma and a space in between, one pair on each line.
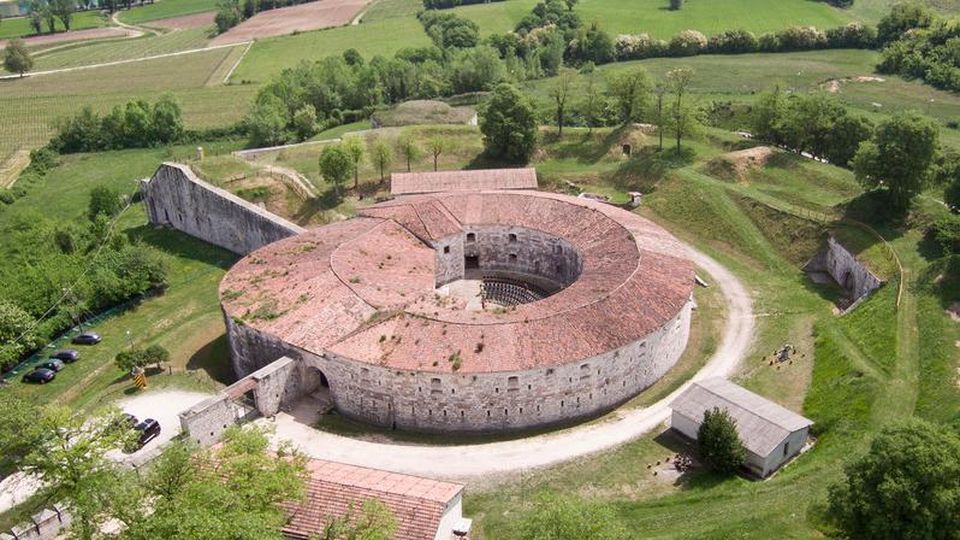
134, 125
42, 13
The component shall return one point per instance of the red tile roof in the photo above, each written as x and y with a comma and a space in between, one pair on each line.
450, 181
344, 288
417, 504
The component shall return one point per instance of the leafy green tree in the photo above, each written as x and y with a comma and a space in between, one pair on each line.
233, 491
564, 518
382, 156
19, 430
130, 359
903, 17
16, 57
592, 105
676, 5
105, 201
374, 521
845, 137
305, 122
335, 166
718, 443
560, 92
35, 15
509, 125
409, 148
899, 157
684, 119
267, 121
17, 333
906, 487
167, 121
631, 90
229, 14
353, 145
63, 9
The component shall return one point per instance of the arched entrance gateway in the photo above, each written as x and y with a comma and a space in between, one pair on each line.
469, 311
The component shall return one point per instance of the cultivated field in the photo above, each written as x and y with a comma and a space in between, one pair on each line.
86, 54
182, 22
165, 9
302, 18
20, 26
73, 36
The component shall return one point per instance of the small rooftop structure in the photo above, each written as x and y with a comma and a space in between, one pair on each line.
422, 508
477, 180
772, 434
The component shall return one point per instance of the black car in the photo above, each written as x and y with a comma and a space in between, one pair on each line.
149, 429
40, 375
52, 365
67, 355
87, 338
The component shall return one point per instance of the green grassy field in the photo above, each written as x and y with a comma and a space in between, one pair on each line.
164, 9
29, 106
652, 17
270, 56
185, 319
389, 9
20, 26
83, 54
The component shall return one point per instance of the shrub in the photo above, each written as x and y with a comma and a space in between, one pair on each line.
688, 43
945, 231
733, 41
768, 42
801, 38
636, 47
852, 36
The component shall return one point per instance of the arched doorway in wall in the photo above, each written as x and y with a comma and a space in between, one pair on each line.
316, 398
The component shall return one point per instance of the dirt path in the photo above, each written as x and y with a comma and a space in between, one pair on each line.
469, 462
78, 35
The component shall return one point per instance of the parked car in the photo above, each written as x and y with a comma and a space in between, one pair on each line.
40, 375
52, 365
149, 429
67, 355
87, 338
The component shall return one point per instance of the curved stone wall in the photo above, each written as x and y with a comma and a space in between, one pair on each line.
451, 402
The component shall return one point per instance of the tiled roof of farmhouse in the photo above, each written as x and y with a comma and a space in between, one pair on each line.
450, 181
761, 423
417, 504
364, 288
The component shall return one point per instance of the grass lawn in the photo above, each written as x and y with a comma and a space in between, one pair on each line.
185, 319
20, 26
389, 9
164, 9
30, 106
270, 56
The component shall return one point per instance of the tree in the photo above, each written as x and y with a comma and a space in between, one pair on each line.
563, 518
676, 4
167, 121
373, 522
233, 491
899, 157
228, 15
767, 116
845, 137
16, 334
19, 430
903, 17
35, 16
592, 100
684, 121
16, 57
305, 122
105, 201
382, 156
509, 125
948, 175
63, 9
718, 442
335, 166
631, 90
267, 122
353, 145
560, 92
409, 148
660, 89
133, 358
905, 487
437, 146
69, 458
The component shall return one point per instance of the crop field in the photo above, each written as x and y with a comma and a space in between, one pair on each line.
165, 9
20, 27
29, 106
84, 54
269, 57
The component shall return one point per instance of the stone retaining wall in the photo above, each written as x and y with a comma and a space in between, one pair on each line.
843, 266
175, 197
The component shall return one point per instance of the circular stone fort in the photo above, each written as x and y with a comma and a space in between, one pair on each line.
467, 311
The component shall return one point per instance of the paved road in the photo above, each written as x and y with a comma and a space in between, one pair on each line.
469, 462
